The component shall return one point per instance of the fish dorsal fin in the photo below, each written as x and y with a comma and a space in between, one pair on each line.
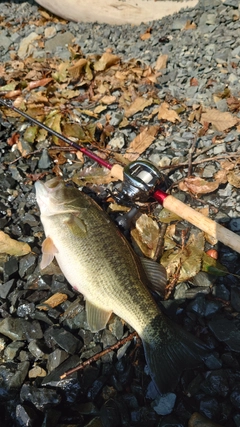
156, 274
97, 318
76, 225
48, 252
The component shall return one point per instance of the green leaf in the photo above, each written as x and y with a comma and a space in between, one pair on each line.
212, 266
167, 216
74, 130
188, 258
53, 121
30, 133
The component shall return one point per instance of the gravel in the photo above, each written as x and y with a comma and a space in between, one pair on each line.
38, 345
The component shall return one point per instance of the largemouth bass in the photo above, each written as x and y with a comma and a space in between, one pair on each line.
98, 262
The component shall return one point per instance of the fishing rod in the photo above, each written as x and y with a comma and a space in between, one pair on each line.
141, 180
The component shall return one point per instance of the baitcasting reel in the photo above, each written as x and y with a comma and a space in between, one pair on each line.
140, 179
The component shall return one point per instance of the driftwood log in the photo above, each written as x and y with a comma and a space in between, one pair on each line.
114, 12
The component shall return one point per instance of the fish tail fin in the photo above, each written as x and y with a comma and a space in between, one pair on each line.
169, 355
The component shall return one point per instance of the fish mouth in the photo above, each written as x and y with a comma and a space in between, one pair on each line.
52, 183
44, 191
44, 188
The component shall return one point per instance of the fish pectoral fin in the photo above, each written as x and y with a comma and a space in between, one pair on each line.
48, 252
76, 225
156, 274
97, 318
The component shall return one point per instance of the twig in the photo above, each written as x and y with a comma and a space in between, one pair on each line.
23, 157
160, 244
209, 159
99, 355
172, 284
191, 151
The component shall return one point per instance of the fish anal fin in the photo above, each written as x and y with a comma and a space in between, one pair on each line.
156, 274
97, 318
49, 250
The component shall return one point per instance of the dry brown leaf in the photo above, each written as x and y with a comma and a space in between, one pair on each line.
38, 83
147, 34
138, 105
13, 93
38, 98
61, 75
165, 114
99, 109
234, 178
93, 176
108, 99
167, 216
227, 165
53, 121
193, 81
186, 261
220, 120
76, 70
13, 139
161, 62
146, 235
197, 185
121, 75
141, 143
106, 61
189, 26
53, 301
221, 176
12, 247
233, 103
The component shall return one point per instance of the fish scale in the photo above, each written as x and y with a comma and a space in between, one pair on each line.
98, 262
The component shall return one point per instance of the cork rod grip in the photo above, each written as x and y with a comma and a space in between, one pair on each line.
230, 239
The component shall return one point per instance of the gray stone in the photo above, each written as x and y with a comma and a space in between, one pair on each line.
164, 404
232, 3
12, 376
5, 288
226, 331
116, 119
56, 358
26, 416
118, 141
44, 161
63, 39
179, 23
220, 148
235, 224
36, 349
209, 171
41, 399
27, 264
66, 340
5, 40
12, 349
